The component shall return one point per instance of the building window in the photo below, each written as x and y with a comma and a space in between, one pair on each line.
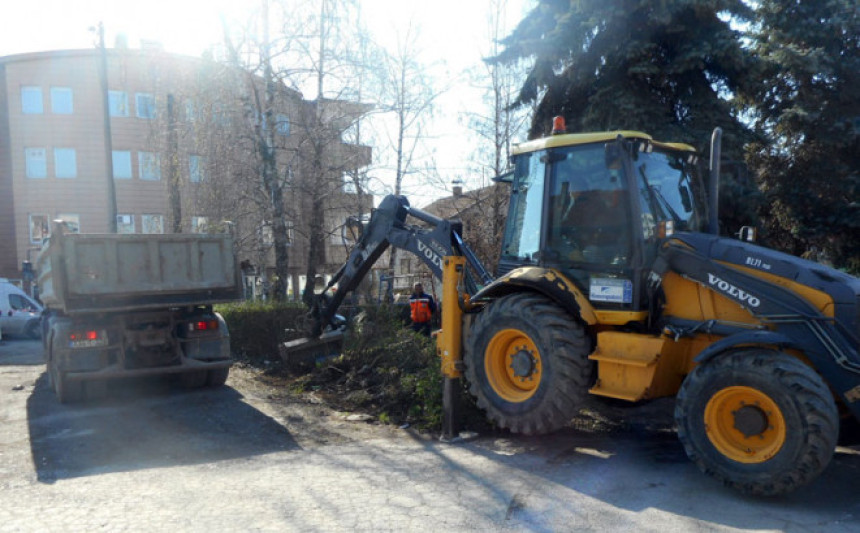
72, 222
65, 163
36, 160
118, 103
61, 101
267, 237
145, 105
190, 110
150, 165
31, 100
39, 229
282, 125
196, 168
125, 223
198, 225
152, 224
121, 164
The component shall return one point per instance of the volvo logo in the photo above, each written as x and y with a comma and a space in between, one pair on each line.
726, 287
431, 256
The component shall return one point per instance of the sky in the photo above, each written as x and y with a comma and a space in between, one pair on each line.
451, 37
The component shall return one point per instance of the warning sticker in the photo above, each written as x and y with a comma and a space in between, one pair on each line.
611, 290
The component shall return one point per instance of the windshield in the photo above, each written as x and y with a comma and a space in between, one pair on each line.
522, 233
669, 189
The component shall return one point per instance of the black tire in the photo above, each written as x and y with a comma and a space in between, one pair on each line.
548, 354
193, 380
67, 391
760, 421
217, 377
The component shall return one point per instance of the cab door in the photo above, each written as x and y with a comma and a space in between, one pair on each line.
589, 230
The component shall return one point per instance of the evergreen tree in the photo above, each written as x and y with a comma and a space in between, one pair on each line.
671, 68
809, 106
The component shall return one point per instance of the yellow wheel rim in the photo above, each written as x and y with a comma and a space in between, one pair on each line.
513, 365
744, 424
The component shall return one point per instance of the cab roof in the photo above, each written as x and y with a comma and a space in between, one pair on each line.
573, 139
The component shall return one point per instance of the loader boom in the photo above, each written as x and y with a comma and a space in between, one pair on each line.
436, 239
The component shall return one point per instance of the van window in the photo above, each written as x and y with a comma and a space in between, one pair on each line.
20, 303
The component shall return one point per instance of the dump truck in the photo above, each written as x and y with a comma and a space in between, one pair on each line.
613, 282
127, 305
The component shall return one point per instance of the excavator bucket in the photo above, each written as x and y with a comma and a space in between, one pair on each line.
304, 353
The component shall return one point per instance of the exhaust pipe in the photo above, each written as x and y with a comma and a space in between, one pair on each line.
714, 182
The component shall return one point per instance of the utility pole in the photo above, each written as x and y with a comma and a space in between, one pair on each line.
111, 186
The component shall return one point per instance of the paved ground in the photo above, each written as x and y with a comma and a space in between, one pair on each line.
154, 458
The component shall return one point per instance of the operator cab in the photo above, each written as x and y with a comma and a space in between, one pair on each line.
595, 207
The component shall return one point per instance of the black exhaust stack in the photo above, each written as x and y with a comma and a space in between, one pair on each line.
714, 182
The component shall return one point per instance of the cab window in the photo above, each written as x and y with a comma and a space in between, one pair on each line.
525, 214
589, 215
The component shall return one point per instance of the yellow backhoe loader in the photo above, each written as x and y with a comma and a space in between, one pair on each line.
613, 281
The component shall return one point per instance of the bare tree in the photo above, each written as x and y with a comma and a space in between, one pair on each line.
408, 98
497, 126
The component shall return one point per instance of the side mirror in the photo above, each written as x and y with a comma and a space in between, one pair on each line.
747, 233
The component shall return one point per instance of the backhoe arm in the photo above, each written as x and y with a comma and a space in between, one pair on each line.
388, 226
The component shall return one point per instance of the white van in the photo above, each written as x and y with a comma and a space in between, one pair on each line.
19, 314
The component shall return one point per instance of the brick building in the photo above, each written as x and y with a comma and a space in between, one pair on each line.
176, 130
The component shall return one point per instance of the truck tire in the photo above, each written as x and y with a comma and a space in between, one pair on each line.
67, 391
527, 363
96, 389
193, 380
760, 421
217, 377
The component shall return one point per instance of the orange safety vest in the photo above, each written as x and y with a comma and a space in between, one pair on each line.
420, 310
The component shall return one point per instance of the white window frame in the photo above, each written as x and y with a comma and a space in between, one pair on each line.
196, 171
144, 105
146, 222
65, 163
72, 220
282, 125
45, 227
118, 103
31, 100
190, 110
199, 224
36, 162
149, 166
121, 164
62, 101
125, 223
267, 236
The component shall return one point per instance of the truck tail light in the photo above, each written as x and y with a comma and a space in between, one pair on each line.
203, 325
89, 338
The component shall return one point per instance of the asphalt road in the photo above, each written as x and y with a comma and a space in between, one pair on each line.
151, 457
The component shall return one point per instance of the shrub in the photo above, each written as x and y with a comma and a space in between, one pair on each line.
256, 328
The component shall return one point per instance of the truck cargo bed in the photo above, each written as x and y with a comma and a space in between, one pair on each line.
82, 273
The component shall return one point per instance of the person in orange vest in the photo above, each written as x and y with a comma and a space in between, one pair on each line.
421, 307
